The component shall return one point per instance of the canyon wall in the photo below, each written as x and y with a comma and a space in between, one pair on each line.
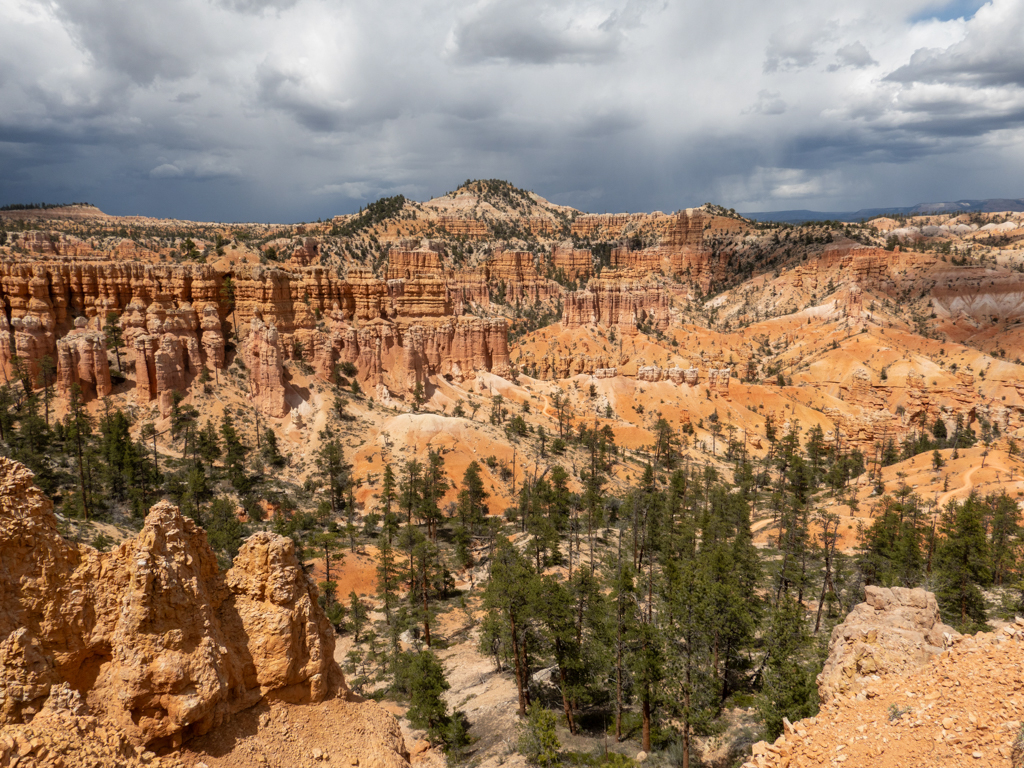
172, 319
623, 298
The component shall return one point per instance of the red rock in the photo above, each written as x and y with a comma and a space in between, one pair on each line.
158, 640
82, 360
263, 358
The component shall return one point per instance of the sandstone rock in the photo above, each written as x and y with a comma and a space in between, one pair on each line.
213, 337
152, 636
264, 360
618, 298
410, 265
893, 630
574, 263
649, 373
82, 360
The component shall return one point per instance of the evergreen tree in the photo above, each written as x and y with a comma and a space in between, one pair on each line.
962, 564
788, 688
472, 500
334, 473
510, 595
114, 339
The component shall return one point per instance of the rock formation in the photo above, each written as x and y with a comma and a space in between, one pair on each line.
264, 360
619, 298
151, 638
912, 707
893, 630
82, 360
573, 263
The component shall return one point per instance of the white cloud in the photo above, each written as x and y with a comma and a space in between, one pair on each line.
166, 171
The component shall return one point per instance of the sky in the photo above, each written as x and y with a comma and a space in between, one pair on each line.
294, 110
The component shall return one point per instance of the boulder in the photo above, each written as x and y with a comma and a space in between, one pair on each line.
893, 630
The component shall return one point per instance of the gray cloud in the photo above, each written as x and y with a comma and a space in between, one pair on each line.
853, 55
542, 32
294, 109
793, 47
258, 6
768, 103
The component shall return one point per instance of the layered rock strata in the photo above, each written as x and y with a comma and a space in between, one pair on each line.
619, 298
263, 358
574, 263
397, 332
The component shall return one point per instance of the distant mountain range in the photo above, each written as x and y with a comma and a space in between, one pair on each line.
991, 205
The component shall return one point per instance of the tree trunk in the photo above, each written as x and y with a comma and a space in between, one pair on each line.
426, 611
519, 668
646, 742
565, 702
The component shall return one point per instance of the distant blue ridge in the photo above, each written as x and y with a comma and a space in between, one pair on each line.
992, 205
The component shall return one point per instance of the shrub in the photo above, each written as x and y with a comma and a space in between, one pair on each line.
538, 742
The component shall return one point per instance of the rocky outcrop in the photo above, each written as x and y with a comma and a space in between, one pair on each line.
166, 351
408, 265
463, 226
619, 298
265, 361
513, 276
892, 631
573, 263
151, 638
397, 332
306, 252
212, 338
32, 342
59, 291
68, 301
82, 360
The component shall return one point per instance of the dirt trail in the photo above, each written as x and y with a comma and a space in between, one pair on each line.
993, 463
965, 488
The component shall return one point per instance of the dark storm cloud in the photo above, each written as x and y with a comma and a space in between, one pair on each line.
294, 109
140, 40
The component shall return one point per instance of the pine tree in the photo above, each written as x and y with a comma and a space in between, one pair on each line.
78, 427
334, 473
554, 608
509, 594
788, 689
387, 574
472, 500
434, 486
962, 564
114, 339
426, 684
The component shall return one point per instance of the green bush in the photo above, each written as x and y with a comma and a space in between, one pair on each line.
538, 742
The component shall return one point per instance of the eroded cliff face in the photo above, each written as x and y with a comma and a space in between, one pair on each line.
152, 637
174, 319
397, 332
623, 298
59, 310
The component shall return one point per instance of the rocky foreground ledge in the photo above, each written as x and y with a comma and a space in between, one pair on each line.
112, 658
901, 690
